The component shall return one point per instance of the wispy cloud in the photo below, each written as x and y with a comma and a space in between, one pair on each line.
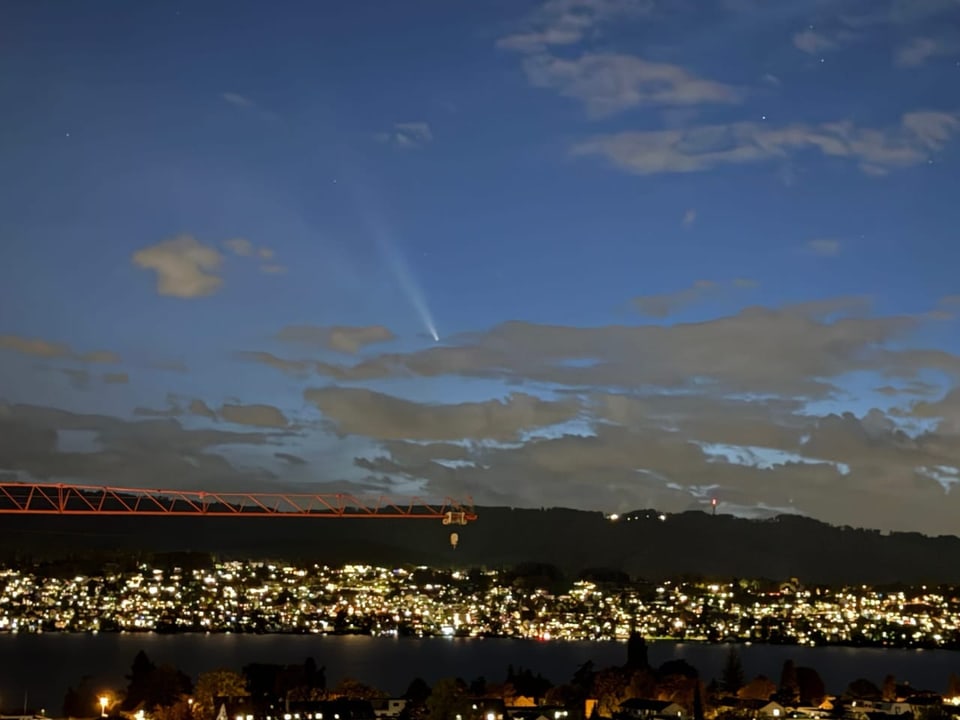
666, 304
237, 100
609, 83
242, 247
341, 338
606, 82
239, 246
813, 43
695, 149
37, 347
568, 22
689, 218
825, 247
407, 135
918, 50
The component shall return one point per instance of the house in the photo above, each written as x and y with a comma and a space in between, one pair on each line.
487, 708
389, 707
339, 709
893, 708
772, 710
542, 712
643, 709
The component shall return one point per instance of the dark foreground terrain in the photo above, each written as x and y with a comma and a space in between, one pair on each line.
687, 543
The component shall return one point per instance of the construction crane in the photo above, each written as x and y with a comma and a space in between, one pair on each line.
66, 499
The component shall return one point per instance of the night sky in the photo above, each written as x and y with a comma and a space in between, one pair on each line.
603, 254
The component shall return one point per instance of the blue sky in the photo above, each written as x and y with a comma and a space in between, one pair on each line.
659, 187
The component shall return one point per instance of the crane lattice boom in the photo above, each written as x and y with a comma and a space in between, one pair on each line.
66, 499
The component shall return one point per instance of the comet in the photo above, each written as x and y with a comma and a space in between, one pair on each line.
366, 204
407, 283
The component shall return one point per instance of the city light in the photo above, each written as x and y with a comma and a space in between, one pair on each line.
378, 601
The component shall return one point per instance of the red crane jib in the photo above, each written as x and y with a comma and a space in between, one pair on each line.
67, 499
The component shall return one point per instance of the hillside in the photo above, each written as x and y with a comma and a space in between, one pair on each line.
687, 543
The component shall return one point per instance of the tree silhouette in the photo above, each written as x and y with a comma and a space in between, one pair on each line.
416, 696
863, 689
637, 652
760, 688
448, 699
610, 688
355, 690
139, 681
810, 685
789, 687
697, 704
215, 684
732, 677
568, 696
889, 689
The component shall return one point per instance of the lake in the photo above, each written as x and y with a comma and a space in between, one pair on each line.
44, 666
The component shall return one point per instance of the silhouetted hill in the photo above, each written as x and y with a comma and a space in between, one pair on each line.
692, 543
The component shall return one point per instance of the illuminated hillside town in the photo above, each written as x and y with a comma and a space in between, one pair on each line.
259, 597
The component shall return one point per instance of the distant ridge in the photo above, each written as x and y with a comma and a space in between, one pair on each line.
687, 543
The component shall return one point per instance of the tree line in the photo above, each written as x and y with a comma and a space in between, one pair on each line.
166, 693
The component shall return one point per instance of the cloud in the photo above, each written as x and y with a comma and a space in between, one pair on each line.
291, 459
36, 347
825, 247
120, 378
185, 268
812, 42
689, 218
341, 338
79, 379
696, 149
157, 452
916, 52
294, 367
237, 100
606, 82
170, 366
567, 22
407, 135
239, 246
358, 411
947, 410
266, 416
790, 350
609, 83
649, 465
666, 304
199, 408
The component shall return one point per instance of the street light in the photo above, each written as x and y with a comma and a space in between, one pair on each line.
104, 701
